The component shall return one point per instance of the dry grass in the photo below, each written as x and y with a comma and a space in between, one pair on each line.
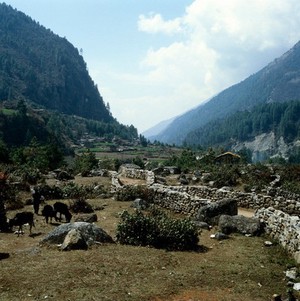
240, 268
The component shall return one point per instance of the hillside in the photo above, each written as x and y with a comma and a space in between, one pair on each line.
157, 128
277, 82
44, 69
46, 91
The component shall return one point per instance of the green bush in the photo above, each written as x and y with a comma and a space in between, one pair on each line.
26, 175
158, 230
85, 162
132, 192
223, 175
137, 229
256, 176
49, 192
81, 206
73, 190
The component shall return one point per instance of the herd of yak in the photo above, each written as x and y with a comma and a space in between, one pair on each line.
49, 212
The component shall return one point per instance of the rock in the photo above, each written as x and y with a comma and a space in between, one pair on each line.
239, 224
63, 176
88, 218
160, 180
268, 243
140, 204
74, 241
219, 236
158, 170
211, 213
90, 233
202, 225
183, 179
296, 286
276, 297
291, 273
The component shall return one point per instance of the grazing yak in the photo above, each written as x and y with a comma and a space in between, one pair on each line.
62, 208
49, 212
21, 219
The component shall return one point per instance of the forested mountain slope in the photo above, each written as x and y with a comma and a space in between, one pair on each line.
42, 68
46, 92
277, 82
281, 118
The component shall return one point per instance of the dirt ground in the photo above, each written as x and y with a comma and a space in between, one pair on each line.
240, 268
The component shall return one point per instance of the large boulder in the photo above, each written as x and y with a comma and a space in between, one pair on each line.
86, 217
239, 224
211, 212
74, 241
90, 233
140, 204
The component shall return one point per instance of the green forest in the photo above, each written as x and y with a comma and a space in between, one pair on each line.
281, 118
42, 68
48, 101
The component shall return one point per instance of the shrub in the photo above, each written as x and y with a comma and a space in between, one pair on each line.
132, 192
137, 229
81, 206
72, 190
225, 176
158, 230
49, 192
257, 176
86, 162
25, 174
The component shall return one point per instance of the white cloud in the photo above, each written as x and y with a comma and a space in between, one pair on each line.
155, 23
214, 44
223, 42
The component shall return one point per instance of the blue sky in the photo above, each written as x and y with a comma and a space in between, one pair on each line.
153, 60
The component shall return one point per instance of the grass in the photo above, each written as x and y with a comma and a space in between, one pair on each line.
240, 268
8, 112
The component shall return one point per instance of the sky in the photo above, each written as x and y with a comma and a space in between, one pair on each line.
153, 60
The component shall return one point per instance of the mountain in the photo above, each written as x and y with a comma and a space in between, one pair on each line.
277, 82
44, 69
46, 92
153, 131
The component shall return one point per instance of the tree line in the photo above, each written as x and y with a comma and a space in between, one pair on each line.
283, 118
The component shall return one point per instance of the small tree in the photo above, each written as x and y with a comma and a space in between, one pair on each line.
86, 162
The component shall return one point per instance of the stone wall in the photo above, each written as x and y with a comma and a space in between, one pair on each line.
283, 228
188, 199
176, 200
134, 173
278, 209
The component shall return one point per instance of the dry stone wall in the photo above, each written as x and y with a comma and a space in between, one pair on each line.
134, 173
278, 209
283, 228
176, 200
188, 199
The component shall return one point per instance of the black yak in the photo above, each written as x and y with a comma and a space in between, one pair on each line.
21, 219
49, 212
62, 208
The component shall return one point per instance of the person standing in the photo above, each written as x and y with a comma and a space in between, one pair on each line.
36, 200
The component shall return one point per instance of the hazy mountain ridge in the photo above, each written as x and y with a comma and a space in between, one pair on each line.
279, 81
157, 128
